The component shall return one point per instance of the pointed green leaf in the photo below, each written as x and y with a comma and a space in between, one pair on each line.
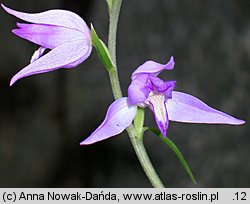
101, 49
175, 149
110, 4
139, 121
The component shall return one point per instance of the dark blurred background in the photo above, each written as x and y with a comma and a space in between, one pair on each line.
43, 118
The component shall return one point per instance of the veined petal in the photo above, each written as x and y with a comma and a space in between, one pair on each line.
186, 108
55, 17
119, 116
137, 90
48, 36
67, 55
153, 68
157, 105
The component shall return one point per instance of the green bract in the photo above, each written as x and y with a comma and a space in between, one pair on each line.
110, 4
101, 49
175, 149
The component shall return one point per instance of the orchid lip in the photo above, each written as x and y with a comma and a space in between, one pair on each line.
156, 102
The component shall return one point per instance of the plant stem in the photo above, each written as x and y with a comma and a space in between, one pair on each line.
143, 158
113, 22
115, 84
116, 88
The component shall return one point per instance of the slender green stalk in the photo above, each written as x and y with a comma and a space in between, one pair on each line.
113, 17
115, 84
114, 12
143, 158
116, 88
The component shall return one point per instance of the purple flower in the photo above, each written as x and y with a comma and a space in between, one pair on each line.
64, 32
147, 90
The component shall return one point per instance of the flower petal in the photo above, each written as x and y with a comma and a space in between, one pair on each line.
161, 86
186, 108
67, 55
157, 105
154, 68
48, 36
119, 116
137, 90
55, 17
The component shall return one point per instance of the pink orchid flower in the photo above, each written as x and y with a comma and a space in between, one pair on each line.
63, 32
147, 90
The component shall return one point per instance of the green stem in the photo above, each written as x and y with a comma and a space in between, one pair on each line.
143, 158
115, 84
113, 22
116, 88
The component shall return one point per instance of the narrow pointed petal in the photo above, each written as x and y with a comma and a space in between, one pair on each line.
47, 35
188, 109
119, 116
55, 17
67, 55
137, 90
154, 68
157, 105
